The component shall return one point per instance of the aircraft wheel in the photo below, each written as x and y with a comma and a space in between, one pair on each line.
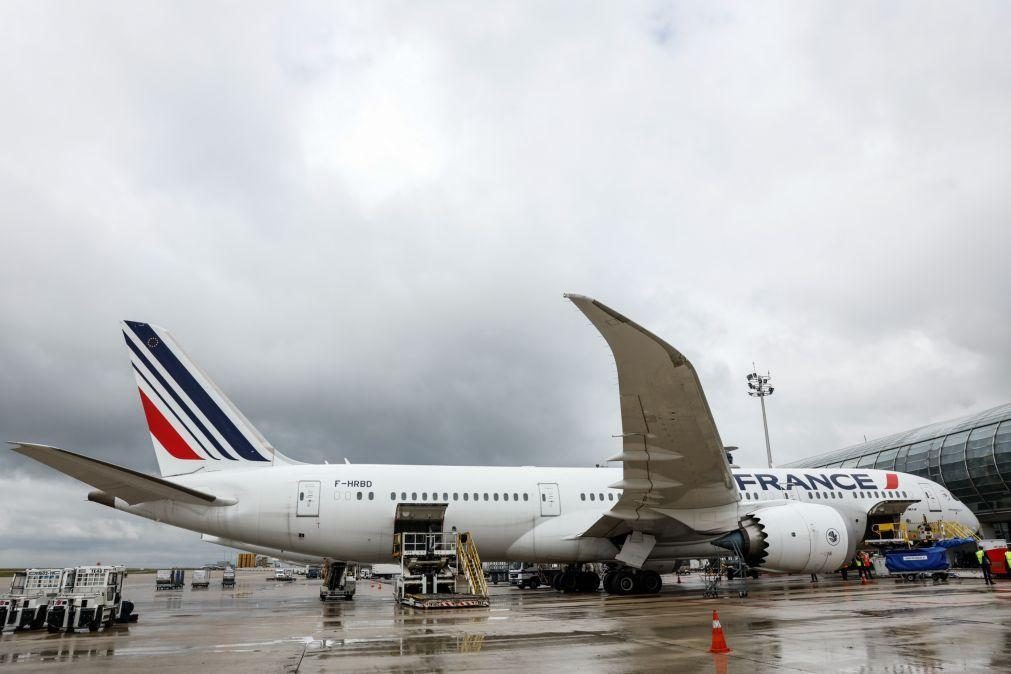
556, 581
52, 629
649, 582
534, 584
609, 582
624, 582
588, 581
570, 581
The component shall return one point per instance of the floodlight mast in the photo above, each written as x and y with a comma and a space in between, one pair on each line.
758, 387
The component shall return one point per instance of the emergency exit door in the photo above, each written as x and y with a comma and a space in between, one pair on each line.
550, 505
308, 499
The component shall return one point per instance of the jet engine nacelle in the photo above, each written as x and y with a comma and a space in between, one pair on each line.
794, 538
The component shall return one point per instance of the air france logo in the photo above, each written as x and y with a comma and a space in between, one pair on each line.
844, 481
832, 536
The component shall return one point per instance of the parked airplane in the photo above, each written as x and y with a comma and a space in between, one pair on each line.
674, 496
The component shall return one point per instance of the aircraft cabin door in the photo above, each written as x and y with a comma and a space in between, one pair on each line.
308, 499
928, 492
550, 503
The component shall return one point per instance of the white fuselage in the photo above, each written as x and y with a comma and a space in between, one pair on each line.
515, 514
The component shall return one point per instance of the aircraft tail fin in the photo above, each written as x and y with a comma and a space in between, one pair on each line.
193, 424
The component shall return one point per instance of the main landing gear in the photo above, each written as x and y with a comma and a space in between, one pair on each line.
632, 581
575, 579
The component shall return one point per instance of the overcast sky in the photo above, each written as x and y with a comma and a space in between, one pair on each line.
360, 220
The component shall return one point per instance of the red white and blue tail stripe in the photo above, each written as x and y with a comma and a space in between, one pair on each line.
193, 424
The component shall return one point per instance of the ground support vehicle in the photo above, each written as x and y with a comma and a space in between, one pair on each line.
526, 574
26, 605
312, 573
170, 579
339, 581
496, 572
92, 597
201, 579
432, 563
922, 563
283, 575
228, 577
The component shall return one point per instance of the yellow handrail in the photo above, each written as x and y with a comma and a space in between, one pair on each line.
467, 551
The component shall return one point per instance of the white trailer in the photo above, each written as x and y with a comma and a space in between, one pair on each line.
92, 597
27, 603
201, 579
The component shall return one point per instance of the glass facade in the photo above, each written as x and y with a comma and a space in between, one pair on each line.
970, 456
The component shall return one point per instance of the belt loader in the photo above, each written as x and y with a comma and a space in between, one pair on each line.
91, 597
27, 604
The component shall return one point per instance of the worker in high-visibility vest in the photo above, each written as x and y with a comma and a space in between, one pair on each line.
985, 564
1007, 560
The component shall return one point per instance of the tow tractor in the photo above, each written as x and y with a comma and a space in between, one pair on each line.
228, 577
339, 581
26, 605
91, 597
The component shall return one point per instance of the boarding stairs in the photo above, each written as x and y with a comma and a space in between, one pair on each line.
466, 551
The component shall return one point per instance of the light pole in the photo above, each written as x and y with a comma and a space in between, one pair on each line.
758, 387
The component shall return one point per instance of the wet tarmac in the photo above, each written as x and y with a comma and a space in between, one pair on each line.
785, 624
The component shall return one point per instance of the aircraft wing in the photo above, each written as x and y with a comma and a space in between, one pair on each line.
672, 455
129, 485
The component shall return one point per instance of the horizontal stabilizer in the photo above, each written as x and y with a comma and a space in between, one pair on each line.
123, 483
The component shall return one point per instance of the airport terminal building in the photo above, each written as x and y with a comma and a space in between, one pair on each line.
970, 456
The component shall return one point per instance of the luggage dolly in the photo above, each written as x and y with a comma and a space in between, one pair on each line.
712, 574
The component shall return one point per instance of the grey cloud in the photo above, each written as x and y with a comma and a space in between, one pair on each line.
360, 219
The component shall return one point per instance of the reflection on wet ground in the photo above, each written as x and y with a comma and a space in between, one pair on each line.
786, 624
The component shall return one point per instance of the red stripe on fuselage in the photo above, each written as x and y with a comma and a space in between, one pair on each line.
163, 431
891, 481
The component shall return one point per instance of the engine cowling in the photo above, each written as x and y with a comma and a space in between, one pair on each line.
793, 538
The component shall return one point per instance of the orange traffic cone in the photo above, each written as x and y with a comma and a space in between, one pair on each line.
679, 579
719, 641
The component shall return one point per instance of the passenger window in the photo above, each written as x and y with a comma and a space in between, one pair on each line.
524, 496
393, 496
403, 496
456, 495
371, 496
445, 496
592, 497
543, 497
582, 497
424, 496
486, 496
505, 496
477, 498
601, 497
516, 497
465, 496
359, 496
495, 495
610, 497
904, 495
